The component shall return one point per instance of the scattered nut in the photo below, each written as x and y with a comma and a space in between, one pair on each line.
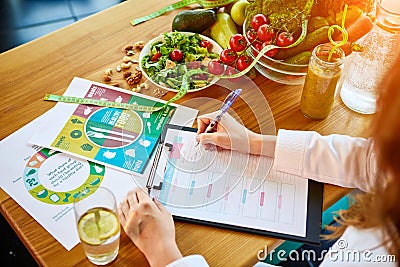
139, 44
127, 74
130, 80
137, 76
108, 72
144, 86
129, 47
126, 65
126, 59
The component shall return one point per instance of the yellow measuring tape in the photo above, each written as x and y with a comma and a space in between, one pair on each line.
89, 101
180, 4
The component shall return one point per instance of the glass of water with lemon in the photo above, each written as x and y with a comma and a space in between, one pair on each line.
98, 224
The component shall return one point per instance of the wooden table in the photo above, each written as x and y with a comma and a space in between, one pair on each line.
85, 49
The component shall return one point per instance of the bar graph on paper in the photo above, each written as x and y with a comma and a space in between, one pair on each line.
230, 187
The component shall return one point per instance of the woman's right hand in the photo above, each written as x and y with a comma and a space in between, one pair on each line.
230, 134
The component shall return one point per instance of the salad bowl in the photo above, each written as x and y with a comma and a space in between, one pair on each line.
164, 69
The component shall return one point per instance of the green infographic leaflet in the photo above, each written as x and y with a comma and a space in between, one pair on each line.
123, 139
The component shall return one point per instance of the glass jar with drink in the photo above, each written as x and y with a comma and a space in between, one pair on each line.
98, 225
319, 88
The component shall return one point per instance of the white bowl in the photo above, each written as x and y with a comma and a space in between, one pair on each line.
216, 48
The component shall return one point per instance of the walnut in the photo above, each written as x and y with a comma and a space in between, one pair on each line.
135, 78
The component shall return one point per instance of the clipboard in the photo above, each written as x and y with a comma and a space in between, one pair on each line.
156, 184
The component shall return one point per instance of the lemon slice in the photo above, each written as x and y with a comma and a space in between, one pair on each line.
94, 233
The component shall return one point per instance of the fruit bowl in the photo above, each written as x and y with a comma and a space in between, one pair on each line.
276, 70
179, 68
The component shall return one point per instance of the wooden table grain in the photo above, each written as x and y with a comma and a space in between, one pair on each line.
85, 49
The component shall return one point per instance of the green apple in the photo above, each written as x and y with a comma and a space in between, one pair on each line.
238, 11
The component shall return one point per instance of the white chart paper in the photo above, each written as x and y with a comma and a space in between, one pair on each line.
229, 187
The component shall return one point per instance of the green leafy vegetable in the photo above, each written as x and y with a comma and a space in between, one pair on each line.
189, 45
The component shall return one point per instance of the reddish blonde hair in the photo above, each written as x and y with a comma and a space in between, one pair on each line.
381, 208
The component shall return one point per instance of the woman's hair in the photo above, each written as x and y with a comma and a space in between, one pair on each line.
381, 208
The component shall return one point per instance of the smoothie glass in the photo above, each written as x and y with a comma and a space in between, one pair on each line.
321, 82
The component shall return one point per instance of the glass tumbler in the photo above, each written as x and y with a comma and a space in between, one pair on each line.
98, 225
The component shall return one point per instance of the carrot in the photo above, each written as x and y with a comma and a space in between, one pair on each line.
357, 29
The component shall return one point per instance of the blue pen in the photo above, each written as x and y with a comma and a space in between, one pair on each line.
225, 107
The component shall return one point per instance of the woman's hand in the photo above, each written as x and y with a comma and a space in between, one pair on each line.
230, 134
150, 226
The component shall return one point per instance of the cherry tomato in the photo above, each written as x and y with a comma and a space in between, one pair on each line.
230, 71
251, 35
216, 67
257, 46
265, 32
243, 62
176, 55
237, 42
228, 56
206, 44
156, 56
284, 39
272, 52
258, 20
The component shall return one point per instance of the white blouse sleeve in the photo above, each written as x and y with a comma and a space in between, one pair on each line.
335, 159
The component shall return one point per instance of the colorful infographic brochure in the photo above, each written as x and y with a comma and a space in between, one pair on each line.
229, 188
45, 181
122, 139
